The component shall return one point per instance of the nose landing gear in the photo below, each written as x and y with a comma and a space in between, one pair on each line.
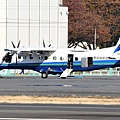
44, 75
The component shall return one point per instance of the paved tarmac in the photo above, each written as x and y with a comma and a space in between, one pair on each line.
54, 86
54, 111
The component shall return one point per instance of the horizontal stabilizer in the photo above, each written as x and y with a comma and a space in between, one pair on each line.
31, 49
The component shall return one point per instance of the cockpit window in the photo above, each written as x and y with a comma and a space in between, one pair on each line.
24, 57
31, 56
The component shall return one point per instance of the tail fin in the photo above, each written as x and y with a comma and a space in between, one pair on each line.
117, 46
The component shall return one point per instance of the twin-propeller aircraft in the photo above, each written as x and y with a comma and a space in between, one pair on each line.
49, 60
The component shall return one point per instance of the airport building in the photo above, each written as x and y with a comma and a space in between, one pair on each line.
32, 22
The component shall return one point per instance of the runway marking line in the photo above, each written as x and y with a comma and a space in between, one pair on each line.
28, 119
60, 100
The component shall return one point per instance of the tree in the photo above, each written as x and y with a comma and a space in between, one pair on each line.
82, 29
109, 10
87, 16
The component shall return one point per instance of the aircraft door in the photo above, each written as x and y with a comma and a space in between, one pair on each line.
70, 61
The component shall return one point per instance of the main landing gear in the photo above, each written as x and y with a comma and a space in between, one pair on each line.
44, 75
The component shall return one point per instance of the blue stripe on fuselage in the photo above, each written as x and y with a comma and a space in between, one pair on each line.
60, 66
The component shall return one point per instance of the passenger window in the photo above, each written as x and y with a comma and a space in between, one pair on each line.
61, 58
54, 58
40, 57
76, 58
46, 57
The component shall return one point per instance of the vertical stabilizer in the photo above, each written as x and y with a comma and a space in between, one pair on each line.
117, 46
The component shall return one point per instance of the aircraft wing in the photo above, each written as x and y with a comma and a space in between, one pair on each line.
30, 49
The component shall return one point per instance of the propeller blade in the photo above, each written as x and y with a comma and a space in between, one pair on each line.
13, 44
18, 44
75, 45
43, 43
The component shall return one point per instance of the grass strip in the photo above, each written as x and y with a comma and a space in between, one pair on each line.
60, 100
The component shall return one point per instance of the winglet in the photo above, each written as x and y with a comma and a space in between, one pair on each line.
117, 46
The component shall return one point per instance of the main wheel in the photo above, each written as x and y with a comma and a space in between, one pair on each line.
44, 75
63, 77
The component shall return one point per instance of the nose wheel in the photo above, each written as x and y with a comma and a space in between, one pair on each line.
44, 75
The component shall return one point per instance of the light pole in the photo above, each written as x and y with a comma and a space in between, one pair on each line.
95, 41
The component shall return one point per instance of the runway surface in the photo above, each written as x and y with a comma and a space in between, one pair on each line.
54, 86
54, 111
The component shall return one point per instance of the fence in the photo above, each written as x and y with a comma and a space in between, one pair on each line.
17, 73
102, 72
